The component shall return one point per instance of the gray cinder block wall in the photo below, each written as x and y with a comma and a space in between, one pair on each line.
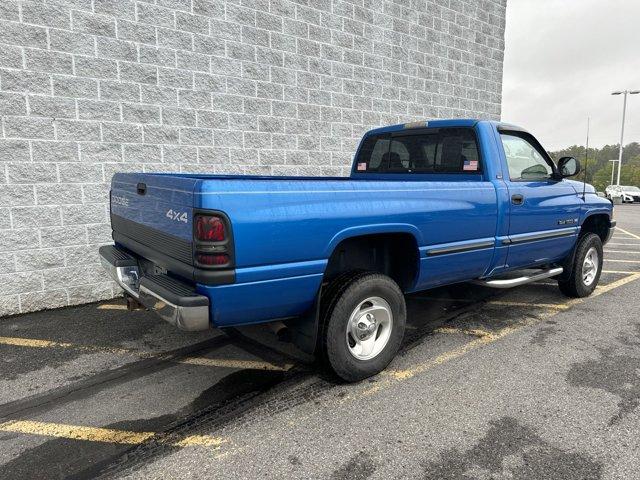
91, 87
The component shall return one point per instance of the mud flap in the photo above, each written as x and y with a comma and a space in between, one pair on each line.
567, 264
304, 329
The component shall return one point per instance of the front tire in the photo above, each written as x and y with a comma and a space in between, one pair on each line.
363, 322
586, 269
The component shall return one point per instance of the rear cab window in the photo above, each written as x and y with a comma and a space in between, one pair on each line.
437, 150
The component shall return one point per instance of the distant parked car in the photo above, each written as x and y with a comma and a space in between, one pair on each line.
628, 193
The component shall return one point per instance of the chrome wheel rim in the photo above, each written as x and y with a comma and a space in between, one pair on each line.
369, 328
590, 266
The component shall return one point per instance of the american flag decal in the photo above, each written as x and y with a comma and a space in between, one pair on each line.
470, 165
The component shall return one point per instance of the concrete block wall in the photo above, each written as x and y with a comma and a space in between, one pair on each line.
91, 87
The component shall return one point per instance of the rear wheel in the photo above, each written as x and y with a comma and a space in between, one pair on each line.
363, 319
586, 269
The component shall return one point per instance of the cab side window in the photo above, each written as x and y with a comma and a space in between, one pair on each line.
524, 159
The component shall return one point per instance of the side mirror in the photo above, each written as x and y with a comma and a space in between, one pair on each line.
568, 167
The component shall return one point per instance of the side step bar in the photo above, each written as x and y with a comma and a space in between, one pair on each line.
516, 282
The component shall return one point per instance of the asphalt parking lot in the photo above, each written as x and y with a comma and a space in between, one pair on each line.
517, 384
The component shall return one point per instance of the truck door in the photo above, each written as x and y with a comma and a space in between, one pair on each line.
544, 211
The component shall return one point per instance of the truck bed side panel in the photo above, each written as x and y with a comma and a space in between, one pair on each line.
280, 226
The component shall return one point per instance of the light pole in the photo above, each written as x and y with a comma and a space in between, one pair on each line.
624, 111
613, 169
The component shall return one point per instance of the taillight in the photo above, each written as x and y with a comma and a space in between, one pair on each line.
213, 241
209, 229
213, 259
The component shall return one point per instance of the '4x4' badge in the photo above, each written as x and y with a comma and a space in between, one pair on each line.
177, 216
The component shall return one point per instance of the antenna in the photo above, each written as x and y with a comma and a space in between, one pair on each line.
586, 162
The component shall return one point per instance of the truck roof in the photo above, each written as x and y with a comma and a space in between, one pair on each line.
452, 122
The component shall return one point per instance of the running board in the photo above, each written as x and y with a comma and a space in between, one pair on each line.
516, 282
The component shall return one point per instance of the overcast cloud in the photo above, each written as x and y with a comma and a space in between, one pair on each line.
563, 59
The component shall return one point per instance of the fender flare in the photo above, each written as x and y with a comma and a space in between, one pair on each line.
305, 328
373, 229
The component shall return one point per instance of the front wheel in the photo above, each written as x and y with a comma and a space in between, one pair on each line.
586, 269
363, 321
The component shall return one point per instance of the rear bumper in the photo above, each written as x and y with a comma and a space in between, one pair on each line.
174, 301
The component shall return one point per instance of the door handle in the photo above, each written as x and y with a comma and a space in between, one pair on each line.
517, 199
141, 188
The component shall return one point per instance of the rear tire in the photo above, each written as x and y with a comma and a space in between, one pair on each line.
363, 319
586, 269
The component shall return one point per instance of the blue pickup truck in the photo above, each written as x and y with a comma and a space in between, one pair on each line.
427, 204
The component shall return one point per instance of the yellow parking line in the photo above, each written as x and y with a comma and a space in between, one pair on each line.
400, 375
109, 306
600, 289
229, 363
554, 306
391, 376
474, 332
33, 343
99, 434
76, 432
38, 343
203, 361
628, 233
200, 440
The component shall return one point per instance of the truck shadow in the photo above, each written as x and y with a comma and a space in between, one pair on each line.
66, 458
234, 398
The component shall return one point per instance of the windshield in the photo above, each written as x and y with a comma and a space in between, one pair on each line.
630, 189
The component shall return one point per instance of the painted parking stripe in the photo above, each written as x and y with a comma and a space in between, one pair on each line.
102, 435
203, 361
33, 342
393, 376
474, 332
110, 306
622, 251
628, 233
621, 261
201, 441
229, 363
504, 303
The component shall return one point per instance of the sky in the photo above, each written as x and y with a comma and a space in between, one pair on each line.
563, 58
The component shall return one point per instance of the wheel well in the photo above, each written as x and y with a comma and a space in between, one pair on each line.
393, 254
598, 224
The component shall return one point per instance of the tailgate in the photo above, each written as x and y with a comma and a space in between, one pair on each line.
154, 211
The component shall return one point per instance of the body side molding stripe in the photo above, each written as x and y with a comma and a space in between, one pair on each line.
565, 232
459, 248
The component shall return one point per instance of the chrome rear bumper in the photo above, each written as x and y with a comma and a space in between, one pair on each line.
174, 301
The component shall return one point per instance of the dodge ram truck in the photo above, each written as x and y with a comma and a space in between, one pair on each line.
427, 204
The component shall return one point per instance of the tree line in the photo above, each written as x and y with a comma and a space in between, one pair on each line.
598, 166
